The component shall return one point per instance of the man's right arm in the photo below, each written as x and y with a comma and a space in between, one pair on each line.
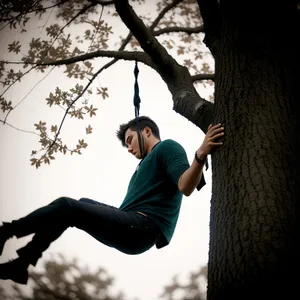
191, 177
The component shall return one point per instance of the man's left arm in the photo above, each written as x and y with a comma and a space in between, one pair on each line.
191, 177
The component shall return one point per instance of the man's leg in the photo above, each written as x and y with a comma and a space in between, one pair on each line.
128, 232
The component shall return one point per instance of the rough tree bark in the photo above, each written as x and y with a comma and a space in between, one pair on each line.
254, 229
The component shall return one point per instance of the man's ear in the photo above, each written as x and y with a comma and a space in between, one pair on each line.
148, 130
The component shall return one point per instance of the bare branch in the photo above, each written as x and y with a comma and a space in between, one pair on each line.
23, 99
28, 131
210, 12
75, 100
198, 77
19, 129
163, 12
187, 30
126, 55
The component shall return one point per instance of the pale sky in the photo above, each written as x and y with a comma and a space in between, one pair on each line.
102, 173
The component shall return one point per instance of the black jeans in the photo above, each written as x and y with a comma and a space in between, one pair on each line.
128, 232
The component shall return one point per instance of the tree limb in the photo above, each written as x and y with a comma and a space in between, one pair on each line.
145, 37
187, 30
103, 3
126, 55
187, 101
198, 77
163, 12
211, 15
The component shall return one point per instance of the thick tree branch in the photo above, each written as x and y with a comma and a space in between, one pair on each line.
126, 55
145, 37
187, 30
199, 77
187, 101
211, 15
103, 3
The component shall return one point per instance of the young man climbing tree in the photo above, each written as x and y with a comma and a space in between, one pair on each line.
147, 215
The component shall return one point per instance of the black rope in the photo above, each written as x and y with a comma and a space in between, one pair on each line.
136, 98
136, 103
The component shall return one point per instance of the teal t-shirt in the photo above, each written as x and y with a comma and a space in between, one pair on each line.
153, 188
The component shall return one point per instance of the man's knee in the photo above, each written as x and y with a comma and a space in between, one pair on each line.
83, 200
89, 201
63, 201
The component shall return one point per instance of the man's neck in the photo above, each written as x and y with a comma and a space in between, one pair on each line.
151, 145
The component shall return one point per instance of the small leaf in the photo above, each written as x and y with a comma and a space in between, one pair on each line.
89, 129
54, 128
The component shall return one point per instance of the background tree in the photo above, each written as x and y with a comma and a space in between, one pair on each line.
256, 188
62, 279
194, 289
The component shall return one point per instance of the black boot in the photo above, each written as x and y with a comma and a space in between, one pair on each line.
15, 270
5, 234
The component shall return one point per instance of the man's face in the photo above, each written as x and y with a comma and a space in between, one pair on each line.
132, 143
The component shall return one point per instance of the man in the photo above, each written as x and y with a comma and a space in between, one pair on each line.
147, 215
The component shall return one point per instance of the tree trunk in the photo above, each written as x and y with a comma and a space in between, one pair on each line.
254, 230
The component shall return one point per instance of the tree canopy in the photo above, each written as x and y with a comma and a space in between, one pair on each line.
84, 38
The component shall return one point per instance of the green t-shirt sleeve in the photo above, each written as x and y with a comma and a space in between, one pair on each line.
173, 159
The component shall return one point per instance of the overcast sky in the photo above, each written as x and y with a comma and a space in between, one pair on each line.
102, 173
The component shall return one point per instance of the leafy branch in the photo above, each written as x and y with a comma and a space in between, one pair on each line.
81, 12
23, 99
45, 140
126, 55
30, 10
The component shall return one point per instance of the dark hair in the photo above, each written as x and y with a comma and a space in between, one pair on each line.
143, 121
